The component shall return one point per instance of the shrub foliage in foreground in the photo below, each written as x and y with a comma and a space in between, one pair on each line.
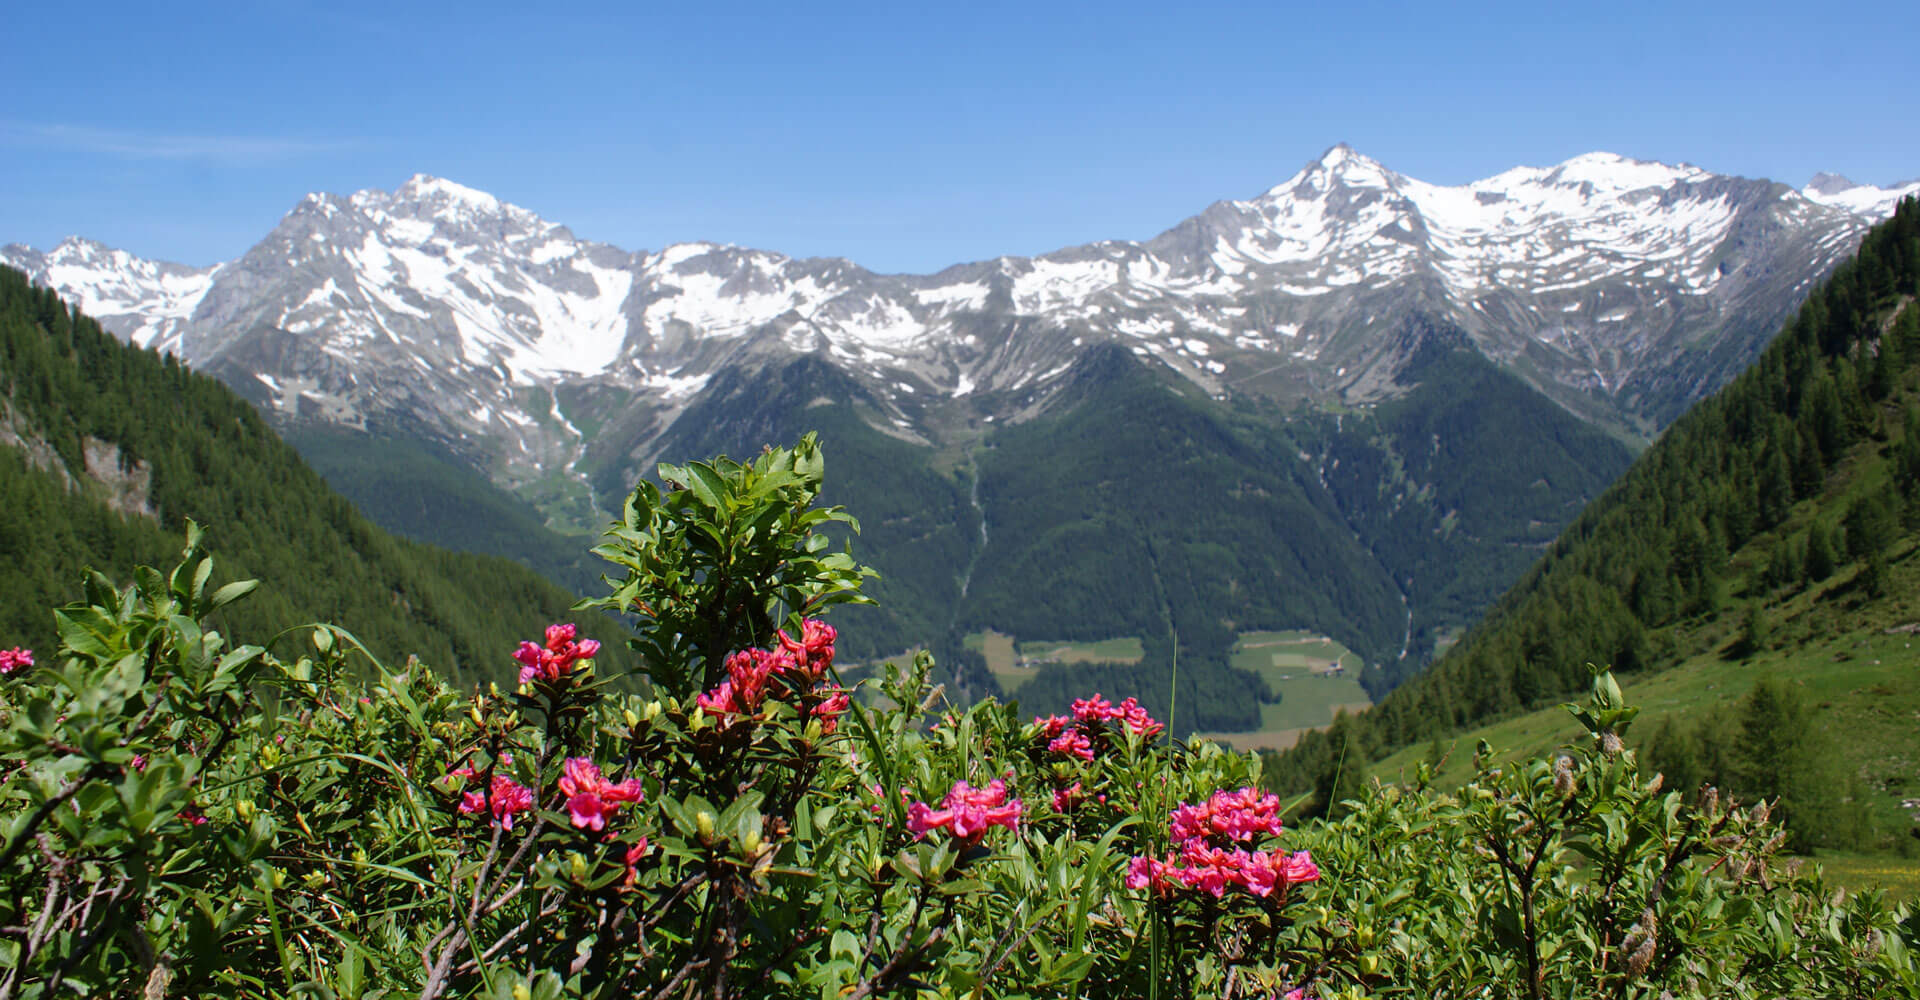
186, 815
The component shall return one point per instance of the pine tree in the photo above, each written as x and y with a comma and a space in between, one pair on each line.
1821, 560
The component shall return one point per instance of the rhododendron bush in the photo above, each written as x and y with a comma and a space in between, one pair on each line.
183, 813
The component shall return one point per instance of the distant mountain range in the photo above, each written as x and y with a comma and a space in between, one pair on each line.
1300, 325
1623, 289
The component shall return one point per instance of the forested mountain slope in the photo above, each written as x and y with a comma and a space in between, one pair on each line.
1807, 463
1130, 503
109, 449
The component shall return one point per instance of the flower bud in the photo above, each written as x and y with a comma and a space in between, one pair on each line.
475, 715
1369, 963
520, 992
359, 855
269, 755
703, 822
577, 865
279, 879
651, 711
633, 721
750, 844
244, 810
314, 880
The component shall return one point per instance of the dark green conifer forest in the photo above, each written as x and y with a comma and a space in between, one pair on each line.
186, 446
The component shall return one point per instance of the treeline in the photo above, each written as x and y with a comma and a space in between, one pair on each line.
1655, 550
67, 386
1772, 747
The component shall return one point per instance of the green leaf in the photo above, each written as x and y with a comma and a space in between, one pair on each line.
78, 638
230, 593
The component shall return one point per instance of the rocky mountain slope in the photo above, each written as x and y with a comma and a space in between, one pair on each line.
1622, 289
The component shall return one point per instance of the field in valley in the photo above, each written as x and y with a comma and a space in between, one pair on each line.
1312, 674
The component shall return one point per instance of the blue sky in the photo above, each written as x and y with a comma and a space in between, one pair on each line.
906, 136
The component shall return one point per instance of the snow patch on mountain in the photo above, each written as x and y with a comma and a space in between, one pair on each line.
469, 315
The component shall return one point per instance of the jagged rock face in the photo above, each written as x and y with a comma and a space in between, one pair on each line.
1624, 289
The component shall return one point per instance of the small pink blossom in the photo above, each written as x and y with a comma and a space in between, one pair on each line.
1072, 743
505, 798
745, 689
812, 653
1097, 709
1240, 815
967, 812
591, 798
192, 817
1064, 798
1145, 872
1209, 857
15, 660
555, 659
1051, 725
829, 712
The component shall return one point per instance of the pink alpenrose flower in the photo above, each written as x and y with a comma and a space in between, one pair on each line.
591, 798
555, 659
967, 812
15, 660
505, 798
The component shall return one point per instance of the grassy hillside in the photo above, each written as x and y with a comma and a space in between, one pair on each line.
109, 449
1770, 529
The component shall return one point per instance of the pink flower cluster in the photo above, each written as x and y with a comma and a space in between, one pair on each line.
506, 798
812, 653
800, 664
14, 660
556, 659
745, 689
1214, 838
967, 813
1242, 814
591, 798
1073, 736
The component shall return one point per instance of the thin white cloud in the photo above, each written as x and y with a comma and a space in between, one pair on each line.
225, 150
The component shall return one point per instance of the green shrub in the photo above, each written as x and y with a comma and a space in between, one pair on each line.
186, 816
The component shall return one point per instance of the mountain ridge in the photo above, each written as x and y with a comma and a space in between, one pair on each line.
446, 302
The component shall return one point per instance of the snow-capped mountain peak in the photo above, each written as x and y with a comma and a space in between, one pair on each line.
454, 310
146, 301
1860, 199
1339, 166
